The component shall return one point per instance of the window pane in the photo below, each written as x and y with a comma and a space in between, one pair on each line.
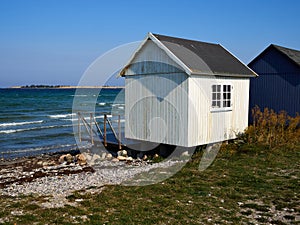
214, 96
219, 103
218, 88
226, 104
214, 88
219, 96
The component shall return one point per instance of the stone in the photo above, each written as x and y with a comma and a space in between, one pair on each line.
115, 160
155, 156
87, 156
124, 153
129, 159
109, 156
185, 154
81, 159
145, 157
61, 159
69, 158
103, 155
121, 158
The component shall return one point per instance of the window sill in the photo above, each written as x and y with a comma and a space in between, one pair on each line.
221, 109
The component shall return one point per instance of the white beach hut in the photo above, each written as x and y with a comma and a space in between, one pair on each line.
184, 92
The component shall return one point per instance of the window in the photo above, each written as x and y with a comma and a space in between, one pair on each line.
216, 96
226, 96
221, 96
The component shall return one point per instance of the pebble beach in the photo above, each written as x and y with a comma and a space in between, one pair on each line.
49, 175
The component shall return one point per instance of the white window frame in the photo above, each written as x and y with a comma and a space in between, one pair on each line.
221, 97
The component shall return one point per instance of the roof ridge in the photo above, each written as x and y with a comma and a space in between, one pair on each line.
292, 54
184, 39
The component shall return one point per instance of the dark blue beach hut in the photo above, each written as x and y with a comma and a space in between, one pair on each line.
278, 84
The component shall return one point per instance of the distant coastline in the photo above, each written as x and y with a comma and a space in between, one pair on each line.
62, 87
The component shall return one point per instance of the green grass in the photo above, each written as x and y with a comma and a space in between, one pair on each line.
257, 178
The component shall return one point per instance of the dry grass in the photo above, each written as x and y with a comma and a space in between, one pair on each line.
273, 129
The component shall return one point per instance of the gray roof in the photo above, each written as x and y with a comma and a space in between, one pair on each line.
205, 58
293, 54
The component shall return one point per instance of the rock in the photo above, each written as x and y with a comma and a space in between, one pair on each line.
109, 156
115, 160
129, 159
121, 158
138, 159
155, 156
145, 157
87, 156
103, 155
81, 159
185, 154
61, 159
69, 158
124, 153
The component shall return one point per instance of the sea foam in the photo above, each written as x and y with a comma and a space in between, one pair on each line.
20, 123
58, 116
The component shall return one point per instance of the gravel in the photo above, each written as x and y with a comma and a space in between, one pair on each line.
105, 173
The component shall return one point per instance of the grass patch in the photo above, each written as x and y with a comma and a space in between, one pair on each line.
236, 186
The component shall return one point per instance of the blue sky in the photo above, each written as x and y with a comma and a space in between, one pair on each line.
54, 41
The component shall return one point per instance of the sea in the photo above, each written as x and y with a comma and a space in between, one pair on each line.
38, 121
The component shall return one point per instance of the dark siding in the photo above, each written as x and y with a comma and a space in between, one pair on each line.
278, 84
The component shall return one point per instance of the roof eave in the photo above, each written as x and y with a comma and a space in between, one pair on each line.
170, 54
122, 72
186, 69
224, 74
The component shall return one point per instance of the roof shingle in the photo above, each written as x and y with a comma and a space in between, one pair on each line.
293, 54
202, 57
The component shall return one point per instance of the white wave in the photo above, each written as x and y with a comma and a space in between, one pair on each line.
58, 116
7, 131
118, 104
102, 116
33, 128
20, 123
73, 119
